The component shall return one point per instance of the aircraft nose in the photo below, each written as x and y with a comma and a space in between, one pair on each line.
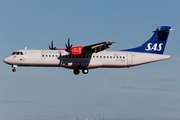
6, 60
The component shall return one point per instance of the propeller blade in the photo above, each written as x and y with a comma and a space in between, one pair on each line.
52, 44
68, 41
68, 47
51, 47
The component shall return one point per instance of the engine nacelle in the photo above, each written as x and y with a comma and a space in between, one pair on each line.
76, 50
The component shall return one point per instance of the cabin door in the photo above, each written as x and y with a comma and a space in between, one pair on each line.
129, 58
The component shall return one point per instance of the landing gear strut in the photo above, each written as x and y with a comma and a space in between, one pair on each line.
14, 68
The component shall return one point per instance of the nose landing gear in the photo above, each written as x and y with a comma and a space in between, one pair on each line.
14, 68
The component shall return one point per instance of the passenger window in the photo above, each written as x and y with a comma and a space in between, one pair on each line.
46, 55
100, 56
114, 57
52, 55
49, 55
123, 57
120, 57
56, 56
107, 56
42, 55
93, 56
86, 56
117, 57
104, 56
96, 56
111, 57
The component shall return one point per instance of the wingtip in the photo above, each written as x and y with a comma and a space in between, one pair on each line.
111, 42
171, 29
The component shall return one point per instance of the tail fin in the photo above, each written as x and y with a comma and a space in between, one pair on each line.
156, 44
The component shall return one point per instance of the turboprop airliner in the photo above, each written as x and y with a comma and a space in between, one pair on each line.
93, 56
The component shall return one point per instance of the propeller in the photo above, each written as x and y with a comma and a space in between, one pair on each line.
68, 47
51, 47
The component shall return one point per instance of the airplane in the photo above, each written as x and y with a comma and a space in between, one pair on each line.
93, 56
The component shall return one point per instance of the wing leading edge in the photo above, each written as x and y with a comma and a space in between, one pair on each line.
84, 49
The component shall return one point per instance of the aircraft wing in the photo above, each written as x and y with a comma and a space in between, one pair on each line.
97, 47
84, 49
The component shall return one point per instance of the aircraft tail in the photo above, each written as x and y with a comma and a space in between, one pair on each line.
156, 44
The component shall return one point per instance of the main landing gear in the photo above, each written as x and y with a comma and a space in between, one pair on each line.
76, 72
84, 71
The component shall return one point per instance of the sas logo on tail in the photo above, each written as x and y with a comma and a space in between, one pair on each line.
154, 47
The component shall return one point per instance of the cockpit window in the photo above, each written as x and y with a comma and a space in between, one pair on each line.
13, 53
17, 53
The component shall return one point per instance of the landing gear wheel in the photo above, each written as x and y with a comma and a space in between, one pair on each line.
14, 70
76, 72
85, 71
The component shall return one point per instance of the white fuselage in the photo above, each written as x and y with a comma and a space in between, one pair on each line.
61, 58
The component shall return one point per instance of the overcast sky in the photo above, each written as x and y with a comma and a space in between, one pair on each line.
146, 92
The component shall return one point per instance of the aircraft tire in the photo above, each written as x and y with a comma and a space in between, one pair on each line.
14, 70
76, 72
85, 71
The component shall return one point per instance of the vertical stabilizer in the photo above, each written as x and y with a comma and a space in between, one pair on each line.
156, 44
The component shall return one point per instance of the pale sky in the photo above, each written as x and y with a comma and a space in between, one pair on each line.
146, 92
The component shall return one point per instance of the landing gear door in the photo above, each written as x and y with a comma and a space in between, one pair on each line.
129, 59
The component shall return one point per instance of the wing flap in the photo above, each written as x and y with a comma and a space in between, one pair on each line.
97, 47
